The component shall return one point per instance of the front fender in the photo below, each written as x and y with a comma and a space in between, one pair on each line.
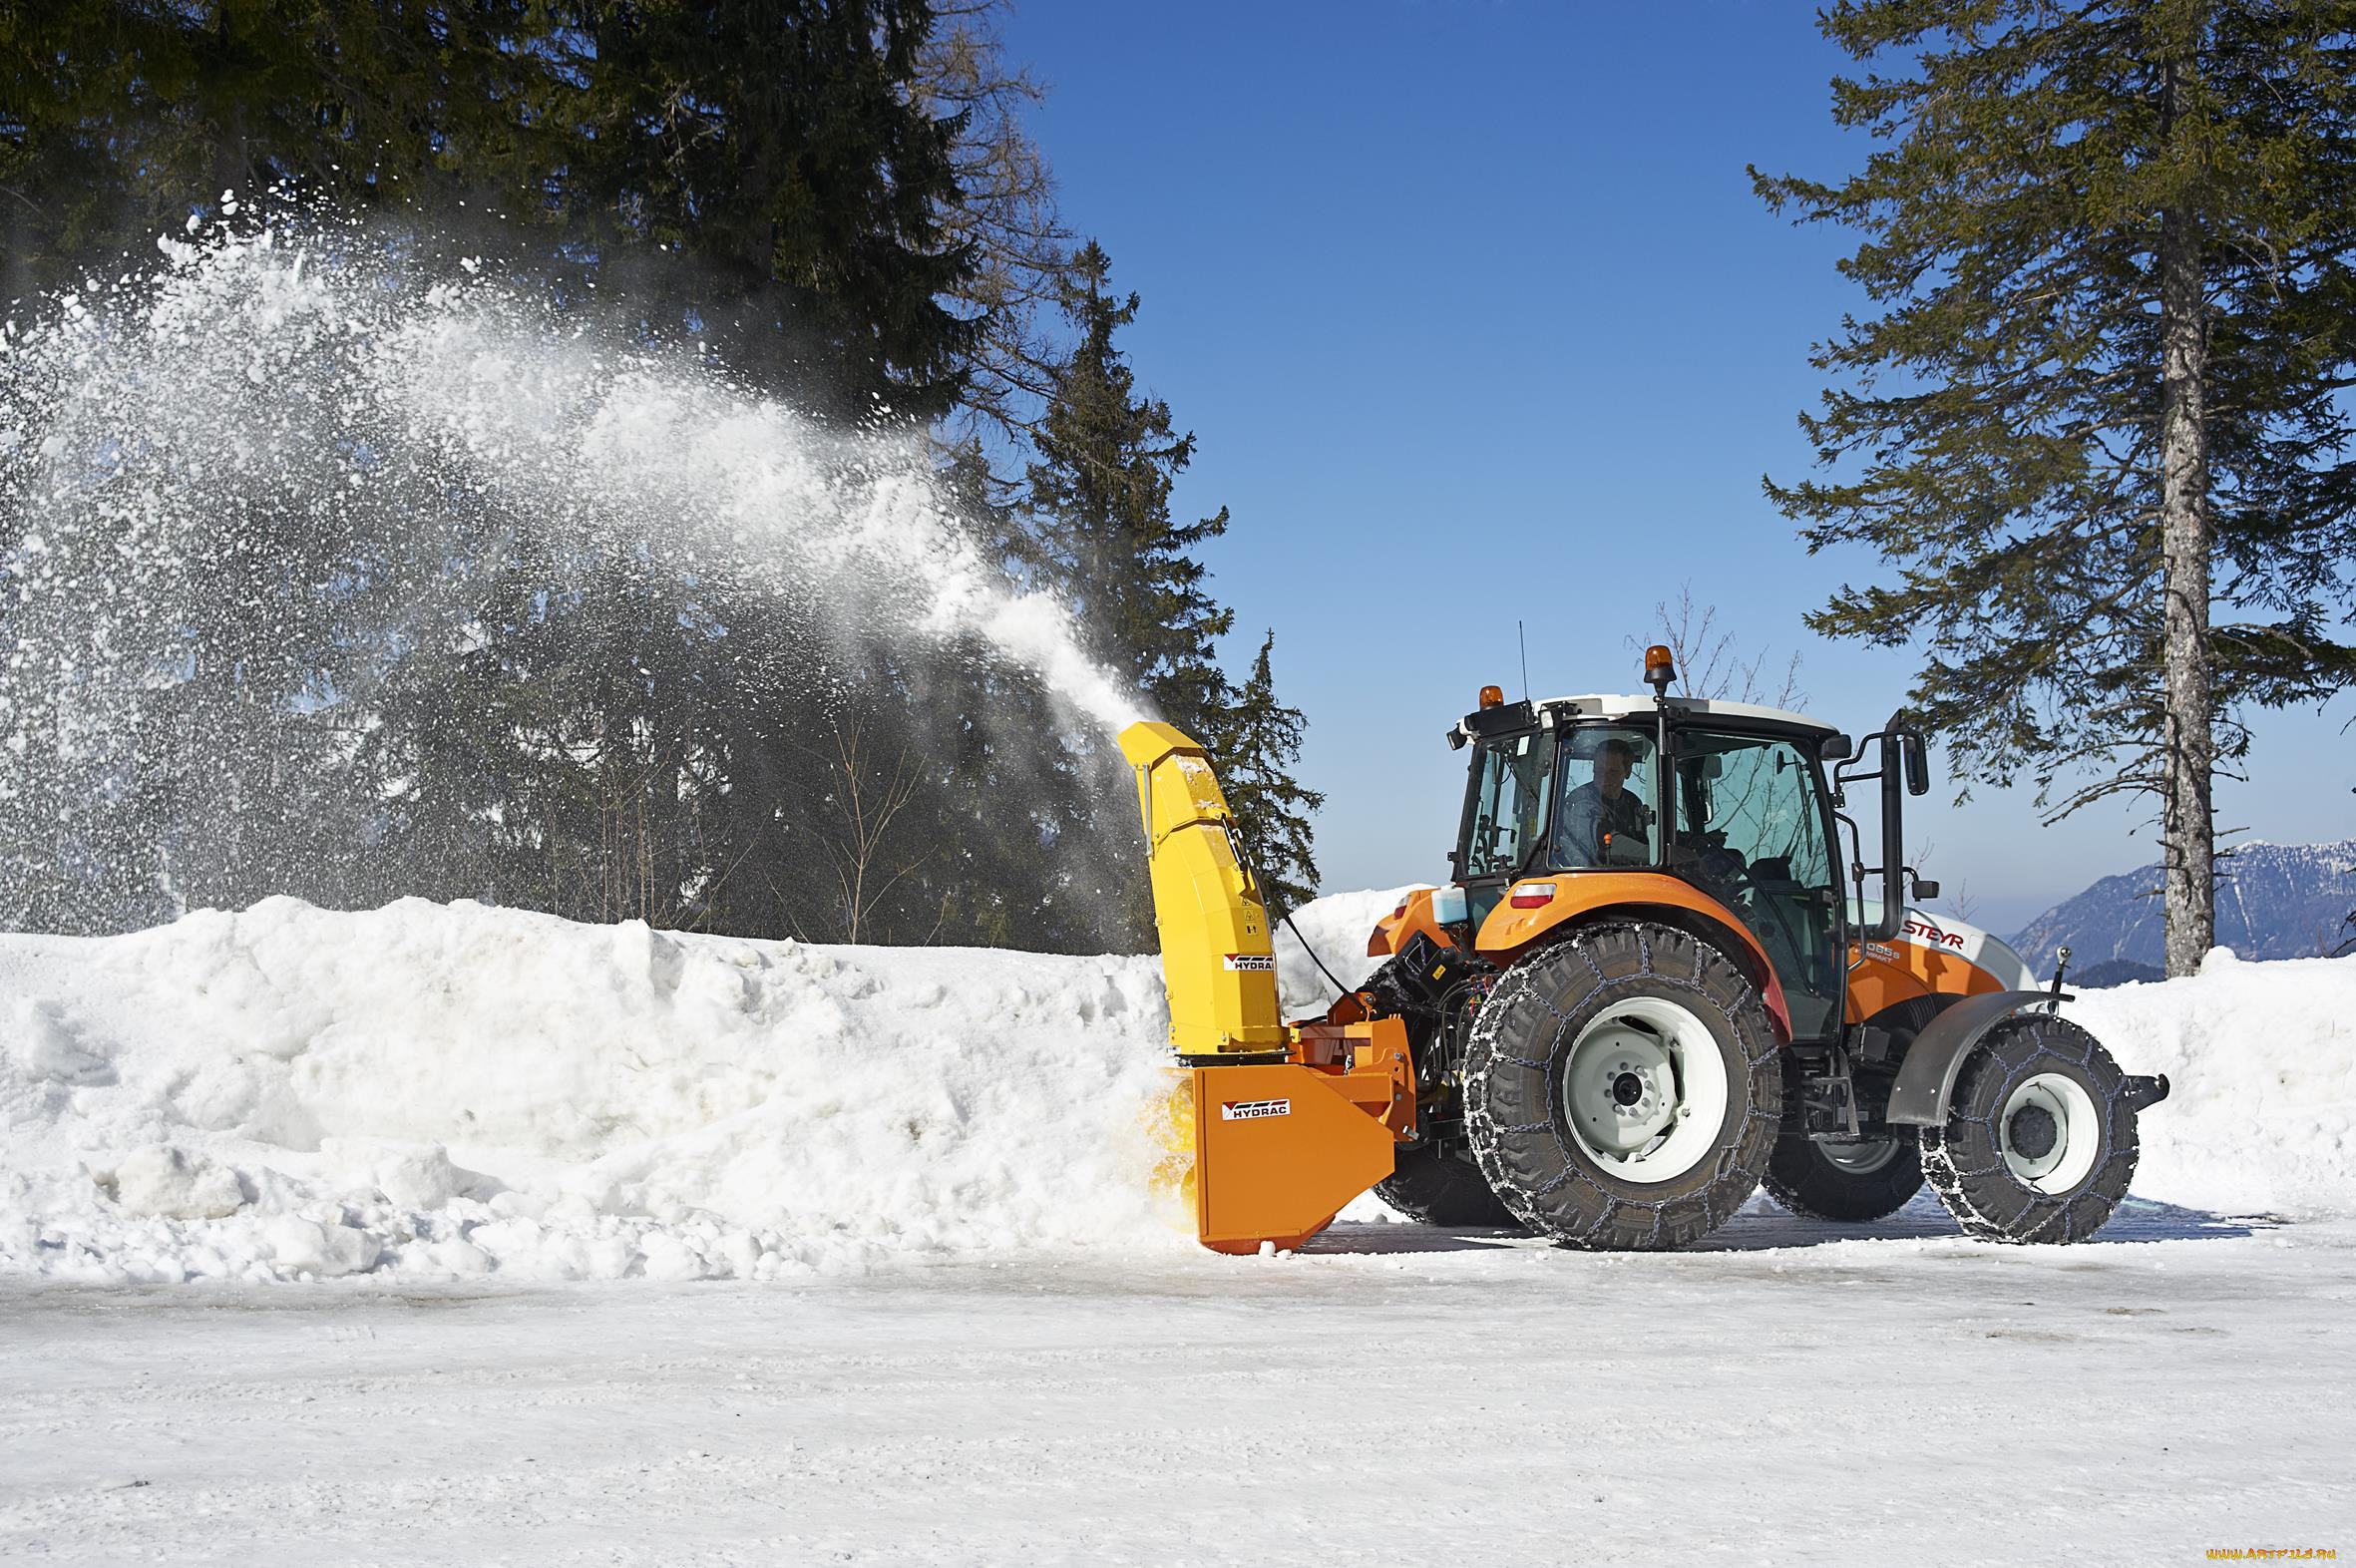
1926, 1078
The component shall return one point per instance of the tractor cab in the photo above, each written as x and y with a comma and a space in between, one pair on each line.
1590, 800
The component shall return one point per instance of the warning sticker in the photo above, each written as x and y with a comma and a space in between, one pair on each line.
1253, 1110
1250, 960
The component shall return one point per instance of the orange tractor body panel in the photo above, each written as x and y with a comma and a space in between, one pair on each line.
1539, 907
1882, 975
1415, 913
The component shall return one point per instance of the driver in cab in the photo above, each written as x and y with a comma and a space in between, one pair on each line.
1603, 823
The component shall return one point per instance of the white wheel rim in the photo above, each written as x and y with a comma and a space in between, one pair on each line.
2077, 1132
1644, 1091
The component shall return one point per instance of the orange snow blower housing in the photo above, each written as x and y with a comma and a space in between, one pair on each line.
1647, 989
1287, 1122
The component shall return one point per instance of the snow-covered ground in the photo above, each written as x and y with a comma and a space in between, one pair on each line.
1398, 1395
453, 1234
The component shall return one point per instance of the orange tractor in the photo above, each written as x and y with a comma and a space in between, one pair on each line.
1648, 988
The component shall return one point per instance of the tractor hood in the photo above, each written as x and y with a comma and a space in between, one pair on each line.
1945, 933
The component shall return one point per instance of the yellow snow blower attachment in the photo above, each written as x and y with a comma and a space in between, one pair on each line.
1289, 1123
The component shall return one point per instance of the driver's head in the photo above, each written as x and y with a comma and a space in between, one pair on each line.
1613, 759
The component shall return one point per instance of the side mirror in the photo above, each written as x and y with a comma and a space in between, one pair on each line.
1924, 888
1836, 748
1918, 763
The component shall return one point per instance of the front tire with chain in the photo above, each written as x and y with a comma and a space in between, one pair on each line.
1623, 1089
2040, 1138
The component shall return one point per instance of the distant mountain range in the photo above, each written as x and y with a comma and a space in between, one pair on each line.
2277, 901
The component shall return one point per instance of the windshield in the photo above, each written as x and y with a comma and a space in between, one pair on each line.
1512, 785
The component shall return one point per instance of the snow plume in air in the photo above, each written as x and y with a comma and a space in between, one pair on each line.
618, 445
248, 491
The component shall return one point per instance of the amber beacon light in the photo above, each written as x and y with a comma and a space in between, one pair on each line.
1659, 668
1492, 697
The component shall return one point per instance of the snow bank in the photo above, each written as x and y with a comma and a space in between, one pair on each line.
2261, 1058
453, 1089
1336, 928
430, 1089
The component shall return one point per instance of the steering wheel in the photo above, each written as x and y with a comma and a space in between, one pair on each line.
1723, 866
1705, 854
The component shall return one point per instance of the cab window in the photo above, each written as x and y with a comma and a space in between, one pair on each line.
1605, 789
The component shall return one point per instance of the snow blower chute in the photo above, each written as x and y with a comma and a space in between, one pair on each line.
1289, 1123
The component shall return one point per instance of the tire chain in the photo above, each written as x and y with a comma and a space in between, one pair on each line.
1484, 1128
2049, 1218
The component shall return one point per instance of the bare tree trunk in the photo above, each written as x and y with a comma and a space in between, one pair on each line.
2187, 827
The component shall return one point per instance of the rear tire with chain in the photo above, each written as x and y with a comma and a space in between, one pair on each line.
2040, 1138
1623, 1089
1437, 1188
1850, 1182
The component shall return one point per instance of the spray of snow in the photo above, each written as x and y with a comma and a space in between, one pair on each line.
269, 457
610, 441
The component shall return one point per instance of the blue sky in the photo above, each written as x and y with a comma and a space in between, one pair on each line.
1475, 317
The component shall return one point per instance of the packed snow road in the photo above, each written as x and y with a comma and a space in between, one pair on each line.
1396, 1394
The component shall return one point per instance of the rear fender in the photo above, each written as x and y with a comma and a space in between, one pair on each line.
1585, 897
1926, 1078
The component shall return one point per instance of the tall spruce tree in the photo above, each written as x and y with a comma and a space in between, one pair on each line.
2097, 415
784, 147
1258, 741
121, 118
1101, 498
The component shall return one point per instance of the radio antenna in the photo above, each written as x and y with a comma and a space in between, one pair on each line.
1525, 661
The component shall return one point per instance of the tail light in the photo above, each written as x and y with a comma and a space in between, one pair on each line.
1532, 896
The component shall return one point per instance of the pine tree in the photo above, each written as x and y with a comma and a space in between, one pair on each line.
2097, 418
1100, 495
782, 147
1257, 741
60, 69
122, 117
